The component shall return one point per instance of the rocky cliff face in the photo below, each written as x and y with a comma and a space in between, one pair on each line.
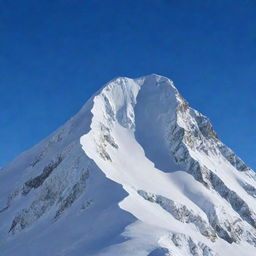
135, 172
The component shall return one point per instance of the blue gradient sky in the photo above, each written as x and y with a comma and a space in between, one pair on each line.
55, 54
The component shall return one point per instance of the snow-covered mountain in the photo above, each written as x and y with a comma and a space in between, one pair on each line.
136, 172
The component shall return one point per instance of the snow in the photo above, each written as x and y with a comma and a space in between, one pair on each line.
122, 142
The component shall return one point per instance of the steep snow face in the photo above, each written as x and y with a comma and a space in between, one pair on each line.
135, 172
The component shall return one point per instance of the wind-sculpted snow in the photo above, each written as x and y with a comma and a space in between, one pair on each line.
136, 172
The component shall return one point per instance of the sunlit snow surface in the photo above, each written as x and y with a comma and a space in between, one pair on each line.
135, 172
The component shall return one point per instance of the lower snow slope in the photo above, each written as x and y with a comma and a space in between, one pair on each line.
135, 172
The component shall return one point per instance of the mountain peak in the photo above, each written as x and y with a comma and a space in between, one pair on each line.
136, 172
149, 80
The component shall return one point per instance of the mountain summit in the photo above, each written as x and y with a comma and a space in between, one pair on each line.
136, 172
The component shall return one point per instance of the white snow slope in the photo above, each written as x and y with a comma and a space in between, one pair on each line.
136, 172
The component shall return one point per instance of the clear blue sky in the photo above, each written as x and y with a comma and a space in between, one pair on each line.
55, 54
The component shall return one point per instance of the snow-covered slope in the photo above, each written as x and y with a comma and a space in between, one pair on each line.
135, 172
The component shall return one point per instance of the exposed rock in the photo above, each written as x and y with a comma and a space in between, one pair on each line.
195, 248
39, 180
75, 192
251, 190
181, 213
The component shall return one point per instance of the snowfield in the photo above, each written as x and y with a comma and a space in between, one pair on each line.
136, 172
